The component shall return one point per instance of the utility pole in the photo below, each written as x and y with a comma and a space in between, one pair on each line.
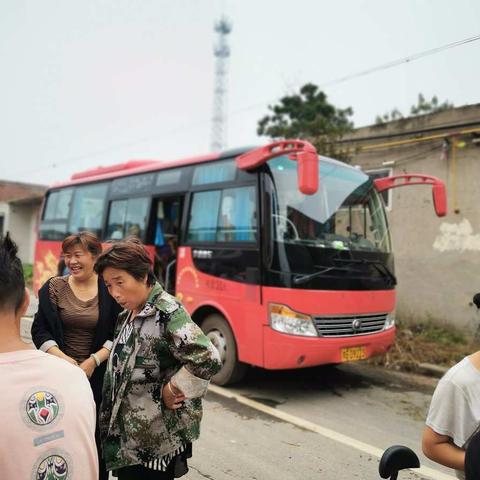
221, 52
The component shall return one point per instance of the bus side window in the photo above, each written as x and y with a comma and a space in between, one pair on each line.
116, 220
223, 216
57, 208
237, 221
204, 216
87, 210
127, 217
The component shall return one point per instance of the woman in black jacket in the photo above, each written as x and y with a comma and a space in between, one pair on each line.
76, 316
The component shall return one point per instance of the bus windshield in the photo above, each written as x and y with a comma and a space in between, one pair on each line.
346, 213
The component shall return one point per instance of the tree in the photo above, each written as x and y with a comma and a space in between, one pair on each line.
310, 116
421, 108
433, 106
395, 114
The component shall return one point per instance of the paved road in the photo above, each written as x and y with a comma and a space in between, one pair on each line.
324, 413
357, 402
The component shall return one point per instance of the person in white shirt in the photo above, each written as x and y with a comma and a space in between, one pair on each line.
454, 415
48, 411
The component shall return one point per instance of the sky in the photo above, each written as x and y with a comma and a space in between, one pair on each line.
98, 82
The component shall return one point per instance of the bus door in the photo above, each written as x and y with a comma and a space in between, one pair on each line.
218, 277
165, 217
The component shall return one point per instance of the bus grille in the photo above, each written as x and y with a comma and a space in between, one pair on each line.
350, 325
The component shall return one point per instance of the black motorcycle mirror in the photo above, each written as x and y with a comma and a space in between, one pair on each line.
476, 300
397, 458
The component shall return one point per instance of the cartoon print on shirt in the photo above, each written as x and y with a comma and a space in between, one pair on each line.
52, 467
42, 408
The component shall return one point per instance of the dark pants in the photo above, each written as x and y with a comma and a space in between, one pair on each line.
102, 469
472, 458
96, 384
139, 472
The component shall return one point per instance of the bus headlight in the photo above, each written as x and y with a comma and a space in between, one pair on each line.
285, 320
390, 321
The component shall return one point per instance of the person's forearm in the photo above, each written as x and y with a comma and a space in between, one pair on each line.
447, 454
56, 351
103, 354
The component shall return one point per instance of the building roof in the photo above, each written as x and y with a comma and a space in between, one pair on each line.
20, 192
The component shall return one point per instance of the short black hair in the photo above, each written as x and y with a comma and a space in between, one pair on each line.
128, 255
12, 282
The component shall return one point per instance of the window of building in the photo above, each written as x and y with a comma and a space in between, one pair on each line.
227, 215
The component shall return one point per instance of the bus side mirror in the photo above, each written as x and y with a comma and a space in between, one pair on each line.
439, 199
307, 172
300, 150
438, 188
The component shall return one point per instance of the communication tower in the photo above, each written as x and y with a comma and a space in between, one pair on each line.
221, 52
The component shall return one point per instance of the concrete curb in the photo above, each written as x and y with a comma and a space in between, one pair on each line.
433, 370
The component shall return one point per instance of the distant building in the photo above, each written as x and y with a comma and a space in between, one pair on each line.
20, 205
437, 260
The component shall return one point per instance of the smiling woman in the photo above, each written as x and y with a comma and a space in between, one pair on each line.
76, 315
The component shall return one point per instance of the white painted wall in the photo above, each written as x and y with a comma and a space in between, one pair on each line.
21, 221
437, 260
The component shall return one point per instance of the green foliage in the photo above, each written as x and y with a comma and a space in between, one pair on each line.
395, 114
445, 335
422, 107
310, 116
28, 273
432, 106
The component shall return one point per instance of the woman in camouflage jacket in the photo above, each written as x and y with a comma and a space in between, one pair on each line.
158, 370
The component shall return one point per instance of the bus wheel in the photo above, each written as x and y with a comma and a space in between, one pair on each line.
218, 331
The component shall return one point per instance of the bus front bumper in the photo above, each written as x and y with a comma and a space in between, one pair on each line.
283, 351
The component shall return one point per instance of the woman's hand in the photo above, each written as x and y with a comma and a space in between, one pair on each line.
70, 360
88, 366
173, 398
58, 353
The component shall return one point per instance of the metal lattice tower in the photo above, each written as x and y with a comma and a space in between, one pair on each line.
222, 52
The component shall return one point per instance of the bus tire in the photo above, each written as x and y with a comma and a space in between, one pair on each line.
216, 328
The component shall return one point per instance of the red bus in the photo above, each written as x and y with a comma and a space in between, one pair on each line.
282, 257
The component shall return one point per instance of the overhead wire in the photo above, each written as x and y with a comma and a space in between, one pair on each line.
378, 68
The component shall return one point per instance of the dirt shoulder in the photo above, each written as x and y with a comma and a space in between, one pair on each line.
426, 348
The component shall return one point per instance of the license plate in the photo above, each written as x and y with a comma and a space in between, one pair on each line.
353, 354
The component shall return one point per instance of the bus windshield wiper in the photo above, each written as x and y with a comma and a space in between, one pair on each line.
377, 264
302, 278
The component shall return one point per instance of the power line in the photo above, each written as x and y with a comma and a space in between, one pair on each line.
399, 61
385, 66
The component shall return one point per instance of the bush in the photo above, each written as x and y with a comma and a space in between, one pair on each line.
28, 273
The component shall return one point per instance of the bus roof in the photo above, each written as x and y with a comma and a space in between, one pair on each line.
133, 167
